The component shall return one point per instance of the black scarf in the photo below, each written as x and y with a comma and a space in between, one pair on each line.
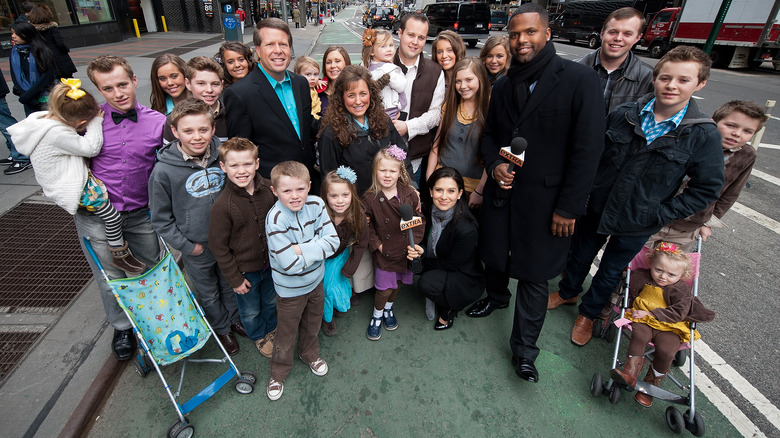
523, 74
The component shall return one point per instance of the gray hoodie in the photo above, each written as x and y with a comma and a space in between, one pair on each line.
181, 194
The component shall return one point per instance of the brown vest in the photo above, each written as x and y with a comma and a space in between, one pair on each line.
420, 101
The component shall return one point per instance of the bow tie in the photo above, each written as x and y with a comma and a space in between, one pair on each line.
130, 115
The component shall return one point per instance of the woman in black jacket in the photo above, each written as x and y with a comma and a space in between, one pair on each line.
32, 67
452, 274
43, 20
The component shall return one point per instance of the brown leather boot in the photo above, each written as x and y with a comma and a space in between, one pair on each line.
642, 398
631, 370
123, 259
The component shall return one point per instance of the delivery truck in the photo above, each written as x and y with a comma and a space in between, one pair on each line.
750, 34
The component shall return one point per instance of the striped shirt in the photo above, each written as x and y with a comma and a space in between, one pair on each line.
653, 129
312, 230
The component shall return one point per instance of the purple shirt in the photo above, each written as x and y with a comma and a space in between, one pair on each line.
127, 157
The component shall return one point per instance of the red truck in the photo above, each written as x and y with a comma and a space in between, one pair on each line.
750, 34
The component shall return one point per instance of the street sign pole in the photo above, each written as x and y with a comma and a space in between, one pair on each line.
719, 19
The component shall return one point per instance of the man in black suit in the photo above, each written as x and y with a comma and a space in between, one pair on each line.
556, 105
272, 106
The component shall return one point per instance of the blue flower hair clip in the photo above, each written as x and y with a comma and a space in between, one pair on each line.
347, 173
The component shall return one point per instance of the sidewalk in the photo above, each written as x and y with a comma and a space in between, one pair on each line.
39, 397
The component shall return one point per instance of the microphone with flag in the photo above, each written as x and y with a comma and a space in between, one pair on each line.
515, 154
409, 221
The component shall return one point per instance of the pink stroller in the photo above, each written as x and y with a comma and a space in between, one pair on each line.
617, 322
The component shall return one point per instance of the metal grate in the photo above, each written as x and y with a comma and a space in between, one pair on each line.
42, 268
13, 347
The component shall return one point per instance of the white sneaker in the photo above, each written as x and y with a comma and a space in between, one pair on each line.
318, 367
430, 309
274, 390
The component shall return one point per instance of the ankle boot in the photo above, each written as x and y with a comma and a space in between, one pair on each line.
123, 259
644, 399
631, 370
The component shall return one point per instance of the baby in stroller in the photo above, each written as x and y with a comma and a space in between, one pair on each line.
663, 306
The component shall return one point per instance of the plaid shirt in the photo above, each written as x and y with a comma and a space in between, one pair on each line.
608, 79
653, 129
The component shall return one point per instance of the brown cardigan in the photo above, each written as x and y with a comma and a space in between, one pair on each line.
346, 239
237, 229
423, 87
681, 304
384, 228
737, 169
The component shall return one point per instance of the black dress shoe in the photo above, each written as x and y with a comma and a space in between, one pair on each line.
447, 324
525, 369
238, 327
123, 344
484, 307
229, 342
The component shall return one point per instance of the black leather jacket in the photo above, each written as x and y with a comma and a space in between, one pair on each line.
637, 79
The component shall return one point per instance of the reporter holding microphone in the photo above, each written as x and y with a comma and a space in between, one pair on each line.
557, 107
452, 274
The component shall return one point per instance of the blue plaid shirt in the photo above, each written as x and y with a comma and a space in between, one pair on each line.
653, 129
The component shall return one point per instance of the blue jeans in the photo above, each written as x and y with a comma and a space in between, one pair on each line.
6, 120
257, 308
584, 247
138, 232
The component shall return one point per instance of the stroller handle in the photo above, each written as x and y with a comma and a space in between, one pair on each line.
91, 251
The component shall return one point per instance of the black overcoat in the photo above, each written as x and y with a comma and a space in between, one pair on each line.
563, 122
254, 111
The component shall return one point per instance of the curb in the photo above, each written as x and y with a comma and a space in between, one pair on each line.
80, 421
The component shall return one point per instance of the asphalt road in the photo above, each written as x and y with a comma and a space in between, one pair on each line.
739, 263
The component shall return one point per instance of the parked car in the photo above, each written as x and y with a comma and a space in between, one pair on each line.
469, 20
381, 17
582, 20
498, 20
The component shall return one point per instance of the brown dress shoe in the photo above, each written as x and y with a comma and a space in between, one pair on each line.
627, 376
582, 331
642, 398
229, 342
554, 300
238, 327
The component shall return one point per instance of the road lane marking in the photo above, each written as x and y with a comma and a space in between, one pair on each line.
773, 117
757, 217
765, 176
727, 407
751, 394
770, 146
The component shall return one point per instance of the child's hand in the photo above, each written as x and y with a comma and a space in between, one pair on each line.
380, 249
413, 253
321, 83
297, 249
244, 288
198, 250
639, 314
101, 114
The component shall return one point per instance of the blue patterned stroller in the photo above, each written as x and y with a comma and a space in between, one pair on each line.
170, 326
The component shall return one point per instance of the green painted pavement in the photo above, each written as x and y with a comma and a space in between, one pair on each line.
412, 382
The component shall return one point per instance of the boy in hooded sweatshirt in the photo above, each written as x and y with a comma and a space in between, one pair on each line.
182, 188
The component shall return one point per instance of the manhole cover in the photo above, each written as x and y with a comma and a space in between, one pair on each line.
42, 268
13, 347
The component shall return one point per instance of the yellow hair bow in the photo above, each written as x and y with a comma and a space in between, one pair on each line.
75, 91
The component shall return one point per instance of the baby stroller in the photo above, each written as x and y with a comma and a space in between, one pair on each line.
617, 322
170, 326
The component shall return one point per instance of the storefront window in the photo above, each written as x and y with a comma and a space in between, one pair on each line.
92, 11
62, 15
7, 16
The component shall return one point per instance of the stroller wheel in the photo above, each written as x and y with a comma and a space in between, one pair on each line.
674, 420
614, 394
245, 387
181, 430
611, 332
596, 385
598, 328
679, 358
695, 425
140, 366
250, 377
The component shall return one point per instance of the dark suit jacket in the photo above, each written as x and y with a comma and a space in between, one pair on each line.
563, 123
254, 111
